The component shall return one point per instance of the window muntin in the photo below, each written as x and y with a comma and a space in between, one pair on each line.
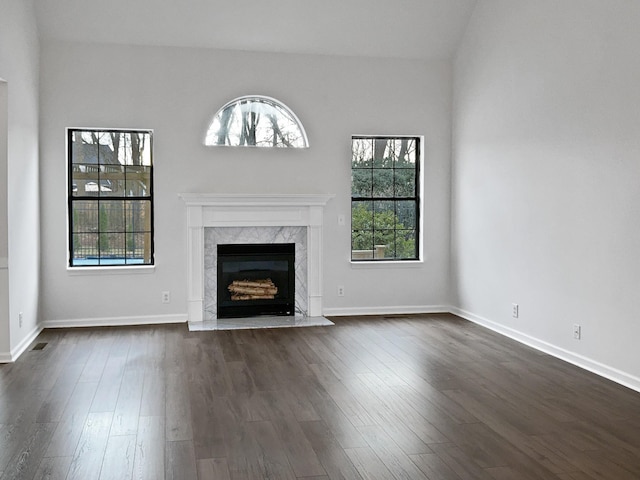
256, 121
385, 202
110, 197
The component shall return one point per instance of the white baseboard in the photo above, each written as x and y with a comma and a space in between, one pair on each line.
115, 321
398, 310
21, 347
598, 368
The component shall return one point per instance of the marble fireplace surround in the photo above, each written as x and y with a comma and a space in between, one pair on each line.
252, 218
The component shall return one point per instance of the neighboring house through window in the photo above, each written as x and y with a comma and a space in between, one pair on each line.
110, 197
385, 198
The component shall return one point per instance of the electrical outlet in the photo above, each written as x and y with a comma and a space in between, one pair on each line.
515, 310
341, 290
20, 319
166, 297
577, 331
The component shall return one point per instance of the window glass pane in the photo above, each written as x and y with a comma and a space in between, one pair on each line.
382, 182
406, 214
384, 243
362, 244
138, 215
84, 147
138, 181
361, 216
138, 248
85, 248
384, 216
405, 182
134, 148
406, 244
381, 153
112, 248
92, 147
112, 181
361, 183
84, 216
85, 179
403, 152
361, 153
111, 216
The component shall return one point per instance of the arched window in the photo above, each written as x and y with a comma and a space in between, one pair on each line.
256, 121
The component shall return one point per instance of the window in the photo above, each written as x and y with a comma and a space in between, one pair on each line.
110, 197
385, 202
256, 121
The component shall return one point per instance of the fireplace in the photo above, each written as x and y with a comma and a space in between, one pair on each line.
214, 219
256, 279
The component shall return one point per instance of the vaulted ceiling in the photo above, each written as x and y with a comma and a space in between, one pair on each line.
420, 29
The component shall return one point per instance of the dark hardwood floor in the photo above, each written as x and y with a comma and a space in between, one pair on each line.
403, 397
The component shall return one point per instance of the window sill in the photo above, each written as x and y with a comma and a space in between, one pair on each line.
364, 264
128, 270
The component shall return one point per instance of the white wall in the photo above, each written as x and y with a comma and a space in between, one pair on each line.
175, 92
546, 176
4, 222
19, 67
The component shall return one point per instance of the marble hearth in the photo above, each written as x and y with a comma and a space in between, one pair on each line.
213, 219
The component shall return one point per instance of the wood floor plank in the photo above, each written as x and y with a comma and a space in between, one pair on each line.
153, 398
18, 410
118, 458
382, 410
241, 378
127, 410
348, 402
109, 385
270, 451
406, 413
89, 455
53, 468
301, 455
369, 466
213, 469
181, 461
24, 463
149, 463
97, 360
461, 463
434, 468
397, 462
213, 420
178, 409
341, 428
70, 427
229, 347
53, 407
330, 453
299, 404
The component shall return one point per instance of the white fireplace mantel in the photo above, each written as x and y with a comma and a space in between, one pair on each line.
206, 210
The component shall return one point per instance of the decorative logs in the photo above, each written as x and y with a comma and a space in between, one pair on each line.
261, 289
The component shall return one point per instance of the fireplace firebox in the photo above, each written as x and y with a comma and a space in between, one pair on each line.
256, 279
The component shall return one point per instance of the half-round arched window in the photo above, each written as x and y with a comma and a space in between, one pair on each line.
256, 121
